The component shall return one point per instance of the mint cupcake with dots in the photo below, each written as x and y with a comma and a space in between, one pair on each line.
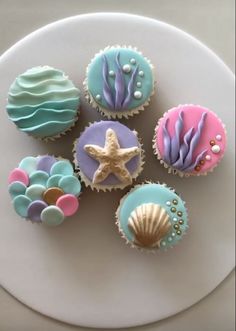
43, 102
44, 189
189, 140
119, 81
152, 216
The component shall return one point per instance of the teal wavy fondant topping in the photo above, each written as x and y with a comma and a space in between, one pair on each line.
43, 102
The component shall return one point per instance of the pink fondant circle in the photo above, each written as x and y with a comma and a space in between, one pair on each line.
18, 175
213, 127
68, 203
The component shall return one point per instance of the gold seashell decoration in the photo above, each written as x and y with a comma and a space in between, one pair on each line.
149, 223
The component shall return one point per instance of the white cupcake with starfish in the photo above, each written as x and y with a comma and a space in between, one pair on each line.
108, 155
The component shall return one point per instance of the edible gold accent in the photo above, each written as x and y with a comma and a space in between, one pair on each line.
149, 223
112, 158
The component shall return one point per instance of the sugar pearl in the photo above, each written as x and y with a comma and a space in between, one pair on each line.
208, 157
138, 95
132, 61
215, 149
111, 73
218, 137
141, 73
98, 97
126, 68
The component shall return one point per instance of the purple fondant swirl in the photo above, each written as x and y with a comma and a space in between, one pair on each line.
175, 141
130, 88
193, 143
106, 87
119, 84
180, 155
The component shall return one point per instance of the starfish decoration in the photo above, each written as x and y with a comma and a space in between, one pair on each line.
112, 158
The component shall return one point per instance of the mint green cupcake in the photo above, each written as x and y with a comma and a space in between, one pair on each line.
43, 102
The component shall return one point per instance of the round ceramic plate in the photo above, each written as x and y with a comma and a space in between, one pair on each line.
82, 272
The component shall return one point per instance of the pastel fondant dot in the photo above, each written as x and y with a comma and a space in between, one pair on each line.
18, 175
70, 184
21, 204
16, 188
53, 181
35, 209
35, 192
45, 163
39, 177
68, 203
52, 194
52, 215
28, 164
62, 167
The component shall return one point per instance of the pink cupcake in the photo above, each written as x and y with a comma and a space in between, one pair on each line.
189, 140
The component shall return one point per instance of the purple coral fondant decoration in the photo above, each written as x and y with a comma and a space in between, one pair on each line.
180, 154
122, 95
45, 163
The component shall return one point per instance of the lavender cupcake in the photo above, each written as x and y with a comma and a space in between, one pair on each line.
108, 155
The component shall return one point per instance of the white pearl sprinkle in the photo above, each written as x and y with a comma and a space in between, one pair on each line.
169, 239
139, 84
111, 73
138, 95
208, 157
173, 234
141, 73
98, 97
132, 61
215, 149
218, 137
168, 203
163, 243
175, 219
126, 68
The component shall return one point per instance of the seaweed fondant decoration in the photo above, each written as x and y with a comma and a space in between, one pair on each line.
112, 158
121, 95
179, 152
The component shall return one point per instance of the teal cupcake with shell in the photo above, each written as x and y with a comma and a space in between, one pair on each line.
43, 102
152, 217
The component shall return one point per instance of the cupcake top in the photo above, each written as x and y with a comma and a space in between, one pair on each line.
152, 216
190, 139
44, 189
108, 155
43, 102
119, 81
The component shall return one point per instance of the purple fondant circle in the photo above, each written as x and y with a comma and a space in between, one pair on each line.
45, 163
35, 209
95, 134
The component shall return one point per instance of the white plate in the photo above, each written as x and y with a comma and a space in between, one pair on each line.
82, 272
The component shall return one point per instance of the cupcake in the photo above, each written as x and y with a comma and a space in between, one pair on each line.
44, 189
151, 217
119, 82
189, 140
108, 155
43, 102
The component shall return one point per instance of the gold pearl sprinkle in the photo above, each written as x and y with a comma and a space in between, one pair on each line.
179, 213
173, 209
176, 226
178, 232
181, 222
197, 168
202, 162
212, 142
175, 202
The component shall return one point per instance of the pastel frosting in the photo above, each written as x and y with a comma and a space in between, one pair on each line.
160, 195
190, 139
43, 102
95, 134
44, 189
120, 79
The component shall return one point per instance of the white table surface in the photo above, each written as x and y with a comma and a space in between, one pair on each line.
210, 21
